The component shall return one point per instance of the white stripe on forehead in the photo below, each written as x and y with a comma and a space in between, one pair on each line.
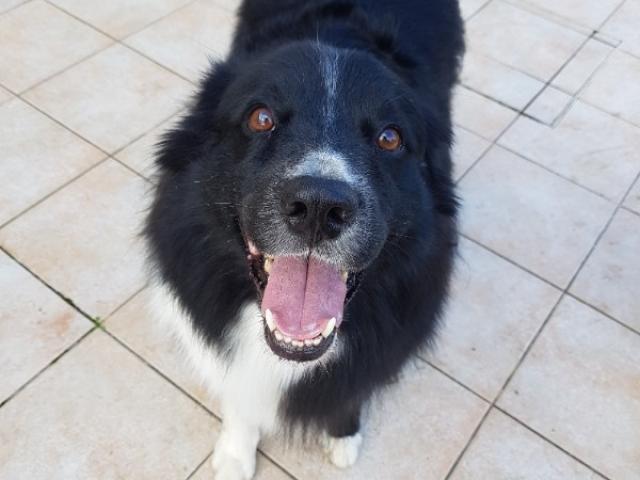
329, 57
325, 163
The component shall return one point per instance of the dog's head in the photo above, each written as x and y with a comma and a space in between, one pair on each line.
319, 157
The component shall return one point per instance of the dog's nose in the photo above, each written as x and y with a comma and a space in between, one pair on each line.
318, 207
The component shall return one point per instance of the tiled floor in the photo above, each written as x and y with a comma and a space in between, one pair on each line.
536, 375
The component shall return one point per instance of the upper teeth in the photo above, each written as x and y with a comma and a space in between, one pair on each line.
268, 316
344, 275
329, 328
268, 261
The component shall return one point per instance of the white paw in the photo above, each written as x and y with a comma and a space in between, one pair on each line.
232, 463
343, 452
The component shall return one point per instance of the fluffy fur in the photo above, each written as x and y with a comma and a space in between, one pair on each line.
334, 73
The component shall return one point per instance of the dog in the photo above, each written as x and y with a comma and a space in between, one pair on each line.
303, 226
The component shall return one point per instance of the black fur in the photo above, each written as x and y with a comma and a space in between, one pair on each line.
214, 175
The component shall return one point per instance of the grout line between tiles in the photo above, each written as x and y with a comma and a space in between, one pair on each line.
46, 367
156, 62
472, 437
504, 385
122, 343
548, 282
544, 324
52, 193
18, 5
553, 172
560, 20
66, 299
157, 20
205, 460
520, 112
630, 210
602, 312
556, 445
65, 69
48, 115
422, 358
131, 169
112, 37
480, 9
564, 291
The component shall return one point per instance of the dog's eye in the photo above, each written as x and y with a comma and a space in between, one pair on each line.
261, 120
389, 139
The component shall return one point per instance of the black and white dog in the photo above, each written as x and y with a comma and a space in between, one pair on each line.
304, 221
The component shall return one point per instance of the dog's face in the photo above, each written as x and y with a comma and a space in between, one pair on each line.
324, 151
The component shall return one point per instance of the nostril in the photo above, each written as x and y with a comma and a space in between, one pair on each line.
337, 216
296, 210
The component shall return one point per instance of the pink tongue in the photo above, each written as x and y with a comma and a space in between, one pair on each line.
303, 294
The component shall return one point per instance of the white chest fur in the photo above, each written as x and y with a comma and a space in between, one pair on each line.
248, 379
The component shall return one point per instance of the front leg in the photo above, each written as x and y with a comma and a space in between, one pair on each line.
234, 457
343, 440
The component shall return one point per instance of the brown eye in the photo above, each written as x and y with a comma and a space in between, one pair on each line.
261, 120
389, 139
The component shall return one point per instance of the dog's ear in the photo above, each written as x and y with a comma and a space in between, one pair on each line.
185, 142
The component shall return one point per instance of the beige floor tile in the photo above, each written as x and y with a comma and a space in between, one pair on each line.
140, 154
615, 88
120, 18
623, 25
38, 40
83, 239
467, 148
577, 72
265, 470
579, 388
55, 158
537, 219
470, 7
135, 326
413, 433
35, 326
230, 5
113, 97
633, 199
505, 450
508, 86
101, 413
185, 40
587, 13
587, 145
494, 311
8, 4
522, 40
479, 114
611, 277
5, 95
550, 105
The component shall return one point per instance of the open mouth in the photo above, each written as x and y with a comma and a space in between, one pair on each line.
302, 302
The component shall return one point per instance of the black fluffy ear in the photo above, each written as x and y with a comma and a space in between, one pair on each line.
185, 142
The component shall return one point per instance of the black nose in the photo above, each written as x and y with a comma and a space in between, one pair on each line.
316, 207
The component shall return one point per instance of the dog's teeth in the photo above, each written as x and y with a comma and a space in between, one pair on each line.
308, 342
278, 335
329, 328
286, 339
316, 341
268, 261
344, 274
297, 343
268, 316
